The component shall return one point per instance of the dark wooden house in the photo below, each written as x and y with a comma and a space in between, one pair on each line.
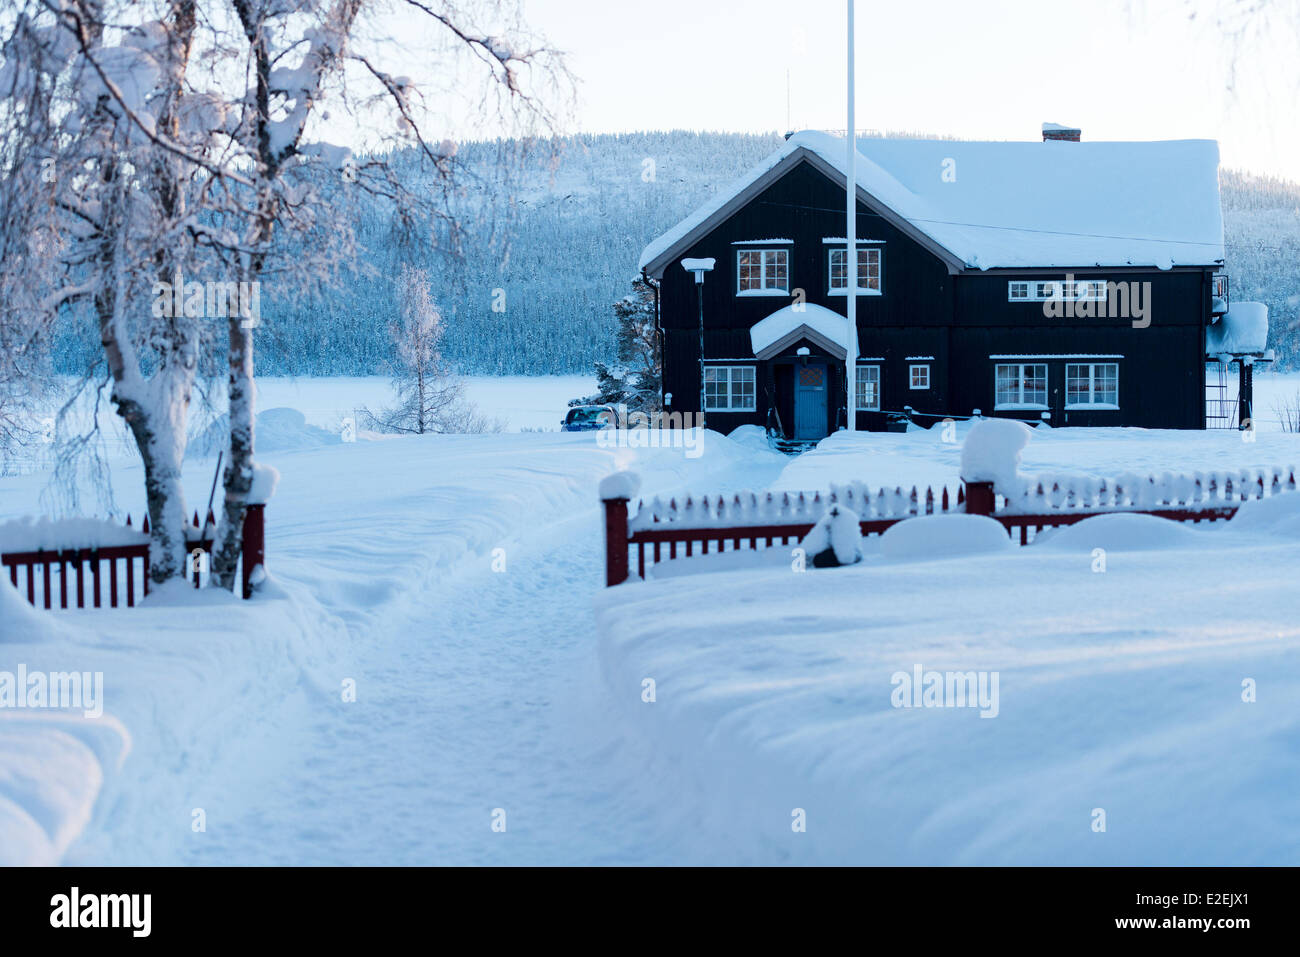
1059, 280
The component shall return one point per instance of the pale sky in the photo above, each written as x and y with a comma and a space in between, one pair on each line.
996, 69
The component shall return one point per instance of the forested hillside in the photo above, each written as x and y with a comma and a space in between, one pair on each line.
553, 244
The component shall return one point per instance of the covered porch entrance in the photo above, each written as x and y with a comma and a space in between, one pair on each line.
803, 349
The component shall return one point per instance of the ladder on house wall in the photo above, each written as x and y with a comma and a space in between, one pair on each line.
1220, 407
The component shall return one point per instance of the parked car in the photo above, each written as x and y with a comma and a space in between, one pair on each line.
589, 418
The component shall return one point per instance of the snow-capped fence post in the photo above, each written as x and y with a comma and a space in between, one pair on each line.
615, 545
253, 548
990, 460
615, 492
980, 498
254, 556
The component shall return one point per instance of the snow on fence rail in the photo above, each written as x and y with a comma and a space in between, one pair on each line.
56, 563
1050, 501
1023, 505
752, 520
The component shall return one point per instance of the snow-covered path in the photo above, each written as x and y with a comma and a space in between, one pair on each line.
479, 693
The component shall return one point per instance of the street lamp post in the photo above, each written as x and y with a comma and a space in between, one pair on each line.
700, 267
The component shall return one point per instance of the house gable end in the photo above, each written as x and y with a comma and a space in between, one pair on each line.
755, 187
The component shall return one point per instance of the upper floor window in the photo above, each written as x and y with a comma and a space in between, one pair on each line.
1092, 385
763, 272
869, 271
868, 389
1019, 386
1077, 290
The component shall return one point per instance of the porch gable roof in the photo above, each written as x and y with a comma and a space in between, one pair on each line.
826, 329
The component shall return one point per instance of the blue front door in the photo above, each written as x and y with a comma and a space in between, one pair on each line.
810, 391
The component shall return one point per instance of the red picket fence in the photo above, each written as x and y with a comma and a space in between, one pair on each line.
76, 568
775, 517
750, 521
1056, 502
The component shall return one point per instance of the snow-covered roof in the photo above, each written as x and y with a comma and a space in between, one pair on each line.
1242, 330
801, 320
1039, 204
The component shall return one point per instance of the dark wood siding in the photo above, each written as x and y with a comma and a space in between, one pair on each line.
959, 320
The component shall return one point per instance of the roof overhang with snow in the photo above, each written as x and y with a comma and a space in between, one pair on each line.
1011, 205
827, 330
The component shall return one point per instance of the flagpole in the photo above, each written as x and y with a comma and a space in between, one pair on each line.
851, 253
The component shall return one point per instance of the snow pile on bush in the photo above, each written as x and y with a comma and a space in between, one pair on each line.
50, 776
1277, 515
750, 436
277, 430
835, 540
1120, 532
944, 536
20, 621
992, 451
31, 534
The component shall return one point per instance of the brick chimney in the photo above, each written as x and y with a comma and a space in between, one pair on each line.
1055, 131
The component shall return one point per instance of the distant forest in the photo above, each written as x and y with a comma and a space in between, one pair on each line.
552, 240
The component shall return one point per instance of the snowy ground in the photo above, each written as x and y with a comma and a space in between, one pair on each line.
476, 688
480, 689
1118, 690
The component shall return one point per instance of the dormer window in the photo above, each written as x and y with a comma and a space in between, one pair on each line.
763, 272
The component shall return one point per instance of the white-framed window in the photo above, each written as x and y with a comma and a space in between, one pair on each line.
870, 274
918, 377
763, 272
1092, 385
1020, 386
729, 389
868, 389
1077, 290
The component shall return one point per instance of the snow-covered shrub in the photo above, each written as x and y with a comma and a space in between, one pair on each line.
1276, 515
1121, 532
835, 540
944, 536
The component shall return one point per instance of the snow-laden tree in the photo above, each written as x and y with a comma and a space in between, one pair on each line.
295, 57
429, 399
636, 380
163, 168
96, 216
